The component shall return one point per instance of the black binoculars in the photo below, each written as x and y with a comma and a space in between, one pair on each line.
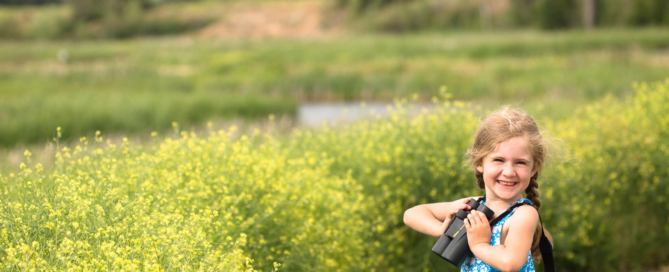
452, 245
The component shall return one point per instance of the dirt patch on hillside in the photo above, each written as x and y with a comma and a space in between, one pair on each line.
294, 19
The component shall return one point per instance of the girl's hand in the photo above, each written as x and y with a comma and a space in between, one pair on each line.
451, 213
478, 229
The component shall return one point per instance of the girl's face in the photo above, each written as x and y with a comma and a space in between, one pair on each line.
507, 169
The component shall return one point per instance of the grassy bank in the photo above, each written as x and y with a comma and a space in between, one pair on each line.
143, 85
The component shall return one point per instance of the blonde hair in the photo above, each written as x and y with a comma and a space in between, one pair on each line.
503, 125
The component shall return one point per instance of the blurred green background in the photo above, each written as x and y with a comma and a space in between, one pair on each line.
132, 67
136, 66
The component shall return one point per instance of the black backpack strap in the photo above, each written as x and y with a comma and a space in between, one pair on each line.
546, 250
545, 246
481, 199
506, 212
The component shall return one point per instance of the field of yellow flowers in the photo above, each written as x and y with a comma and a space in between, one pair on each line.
332, 199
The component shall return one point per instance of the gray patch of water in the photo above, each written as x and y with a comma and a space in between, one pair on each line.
314, 114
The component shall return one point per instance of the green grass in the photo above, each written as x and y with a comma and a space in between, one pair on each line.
142, 85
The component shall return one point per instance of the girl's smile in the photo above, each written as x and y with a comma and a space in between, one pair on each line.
509, 184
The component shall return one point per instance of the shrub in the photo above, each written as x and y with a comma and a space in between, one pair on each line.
29, 2
621, 180
333, 199
87, 10
34, 23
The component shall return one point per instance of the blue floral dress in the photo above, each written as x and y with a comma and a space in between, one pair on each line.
474, 264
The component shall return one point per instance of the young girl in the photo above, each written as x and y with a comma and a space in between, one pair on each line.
507, 156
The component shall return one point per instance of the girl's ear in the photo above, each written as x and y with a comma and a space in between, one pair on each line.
536, 168
480, 168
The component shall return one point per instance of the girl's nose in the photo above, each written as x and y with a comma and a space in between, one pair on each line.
508, 170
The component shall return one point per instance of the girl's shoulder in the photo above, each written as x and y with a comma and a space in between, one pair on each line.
524, 215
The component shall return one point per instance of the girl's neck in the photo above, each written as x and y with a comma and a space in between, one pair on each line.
493, 201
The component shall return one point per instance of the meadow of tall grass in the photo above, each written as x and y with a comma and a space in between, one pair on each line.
143, 85
332, 198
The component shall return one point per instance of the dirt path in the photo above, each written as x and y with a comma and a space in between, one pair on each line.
294, 19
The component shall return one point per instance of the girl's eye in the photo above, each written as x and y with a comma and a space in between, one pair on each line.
497, 160
523, 163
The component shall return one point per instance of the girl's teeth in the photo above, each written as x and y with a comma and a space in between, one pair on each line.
506, 183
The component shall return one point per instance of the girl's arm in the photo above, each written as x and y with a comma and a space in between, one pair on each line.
432, 219
512, 255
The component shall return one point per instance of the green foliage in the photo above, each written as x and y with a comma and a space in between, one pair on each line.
29, 2
126, 18
650, 12
365, 6
130, 113
556, 14
89, 216
399, 16
332, 199
423, 15
84, 19
87, 10
34, 23
568, 14
523, 12
399, 163
133, 21
620, 180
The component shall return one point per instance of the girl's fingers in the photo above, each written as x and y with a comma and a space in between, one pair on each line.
471, 219
482, 217
452, 213
475, 217
455, 210
466, 222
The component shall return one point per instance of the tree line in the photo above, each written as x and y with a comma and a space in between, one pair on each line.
411, 15
545, 14
28, 2
95, 19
